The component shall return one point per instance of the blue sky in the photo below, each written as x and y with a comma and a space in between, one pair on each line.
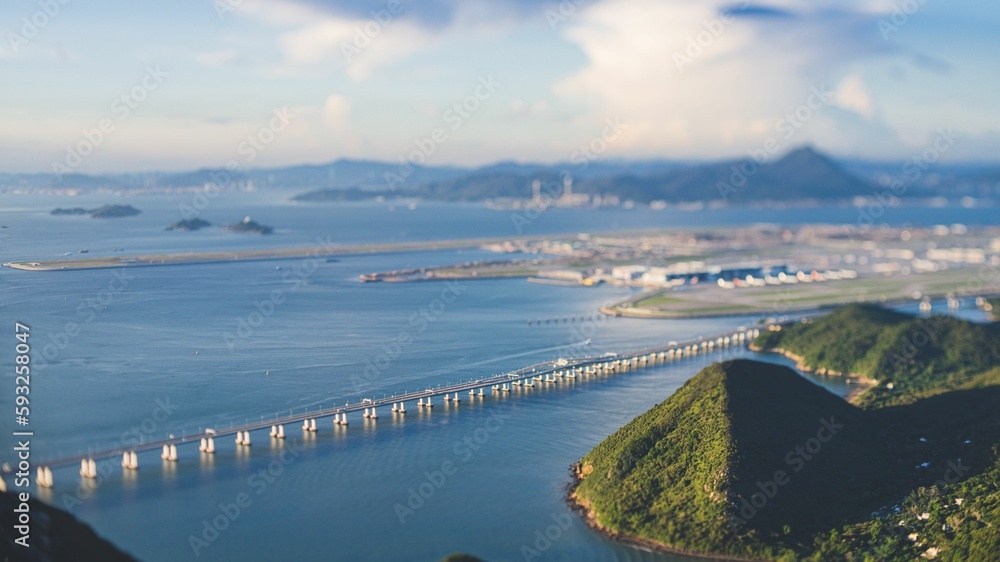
689, 79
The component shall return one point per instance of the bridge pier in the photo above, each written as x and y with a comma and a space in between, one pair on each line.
169, 452
88, 468
43, 477
130, 460
243, 438
207, 445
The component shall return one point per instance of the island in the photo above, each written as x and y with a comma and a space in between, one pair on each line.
752, 461
247, 226
103, 212
70, 211
56, 536
189, 225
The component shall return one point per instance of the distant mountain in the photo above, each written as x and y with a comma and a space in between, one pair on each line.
340, 174
804, 173
801, 174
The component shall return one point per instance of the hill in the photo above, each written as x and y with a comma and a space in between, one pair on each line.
750, 460
801, 174
909, 356
804, 173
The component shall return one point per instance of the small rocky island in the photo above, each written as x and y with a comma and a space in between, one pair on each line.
188, 225
103, 212
249, 227
70, 211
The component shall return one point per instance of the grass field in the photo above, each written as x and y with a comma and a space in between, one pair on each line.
712, 300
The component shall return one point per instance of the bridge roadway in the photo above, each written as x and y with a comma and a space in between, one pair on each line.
698, 345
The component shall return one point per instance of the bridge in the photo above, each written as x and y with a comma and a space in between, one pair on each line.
548, 372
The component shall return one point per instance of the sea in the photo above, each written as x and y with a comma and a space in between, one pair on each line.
126, 356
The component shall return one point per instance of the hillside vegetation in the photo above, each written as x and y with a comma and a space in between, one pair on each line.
751, 460
918, 356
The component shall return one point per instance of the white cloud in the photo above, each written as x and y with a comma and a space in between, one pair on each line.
689, 82
317, 39
336, 111
852, 94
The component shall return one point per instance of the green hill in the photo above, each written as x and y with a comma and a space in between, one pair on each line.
750, 460
916, 356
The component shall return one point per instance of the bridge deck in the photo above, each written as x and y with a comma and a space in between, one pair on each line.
538, 369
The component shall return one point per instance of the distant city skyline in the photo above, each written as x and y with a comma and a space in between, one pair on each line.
105, 87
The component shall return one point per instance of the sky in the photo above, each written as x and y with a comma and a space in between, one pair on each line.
102, 86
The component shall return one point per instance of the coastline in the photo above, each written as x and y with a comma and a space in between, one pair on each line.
863, 383
585, 511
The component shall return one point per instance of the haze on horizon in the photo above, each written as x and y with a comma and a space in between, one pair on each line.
687, 79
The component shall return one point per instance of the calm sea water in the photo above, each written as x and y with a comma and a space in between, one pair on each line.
170, 350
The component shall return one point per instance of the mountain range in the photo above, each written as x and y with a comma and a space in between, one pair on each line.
803, 173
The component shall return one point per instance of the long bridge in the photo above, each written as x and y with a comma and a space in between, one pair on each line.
549, 372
